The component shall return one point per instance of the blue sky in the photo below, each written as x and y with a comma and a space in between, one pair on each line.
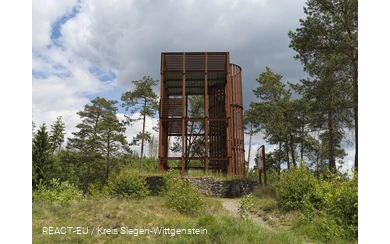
83, 49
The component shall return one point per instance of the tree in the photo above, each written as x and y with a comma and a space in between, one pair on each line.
41, 155
254, 127
57, 134
330, 109
100, 135
112, 140
143, 100
327, 46
273, 111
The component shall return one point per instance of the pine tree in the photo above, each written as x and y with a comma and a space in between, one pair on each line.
57, 134
327, 46
143, 100
100, 136
41, 156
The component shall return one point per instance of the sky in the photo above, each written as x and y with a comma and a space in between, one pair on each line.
84, 49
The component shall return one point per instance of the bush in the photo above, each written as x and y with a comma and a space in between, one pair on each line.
341, 203
181, 196
57, 192
329, 205
246, 204
129, 184
294, 186
97, 190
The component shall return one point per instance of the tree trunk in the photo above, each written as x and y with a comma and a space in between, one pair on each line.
292, 151
302, 141
142, 141
318, 162
332, 162
107, 167
288, 157
355, 109
108, 160
280, 158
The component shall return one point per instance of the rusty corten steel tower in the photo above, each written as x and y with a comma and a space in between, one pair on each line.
218, 140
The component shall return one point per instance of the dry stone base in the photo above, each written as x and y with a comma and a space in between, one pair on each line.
210, 186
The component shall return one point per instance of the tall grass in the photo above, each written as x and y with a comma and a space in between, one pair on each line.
114, 213
308, 209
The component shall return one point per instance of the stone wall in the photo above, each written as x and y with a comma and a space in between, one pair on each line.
210, 186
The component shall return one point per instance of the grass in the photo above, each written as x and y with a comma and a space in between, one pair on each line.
124, 215
319, 230
113, 220
268, 209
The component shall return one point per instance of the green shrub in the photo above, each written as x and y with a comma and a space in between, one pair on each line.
97, 190
129, 184
181, 195
246, 204
293, 187
253, 174
341, 203
149, 165
56, 192
329, 207
322, 228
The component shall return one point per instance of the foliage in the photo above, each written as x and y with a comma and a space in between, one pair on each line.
97, 190
293, 187
148, 213
61, 170
181, 195
129, 184
57, 134
327, 46
330, 204
279, 118
341, 202
99, 139
150, 165
246, 204
145, 101
56, 192
41, 156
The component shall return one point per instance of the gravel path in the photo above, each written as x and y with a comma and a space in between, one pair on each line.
232, 206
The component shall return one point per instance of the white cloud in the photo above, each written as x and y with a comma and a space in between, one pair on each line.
44, 14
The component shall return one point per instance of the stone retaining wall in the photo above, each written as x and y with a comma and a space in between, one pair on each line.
210, 186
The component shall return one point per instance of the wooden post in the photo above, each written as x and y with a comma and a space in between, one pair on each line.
260, 177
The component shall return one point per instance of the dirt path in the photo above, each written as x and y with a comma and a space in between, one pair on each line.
232, 206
